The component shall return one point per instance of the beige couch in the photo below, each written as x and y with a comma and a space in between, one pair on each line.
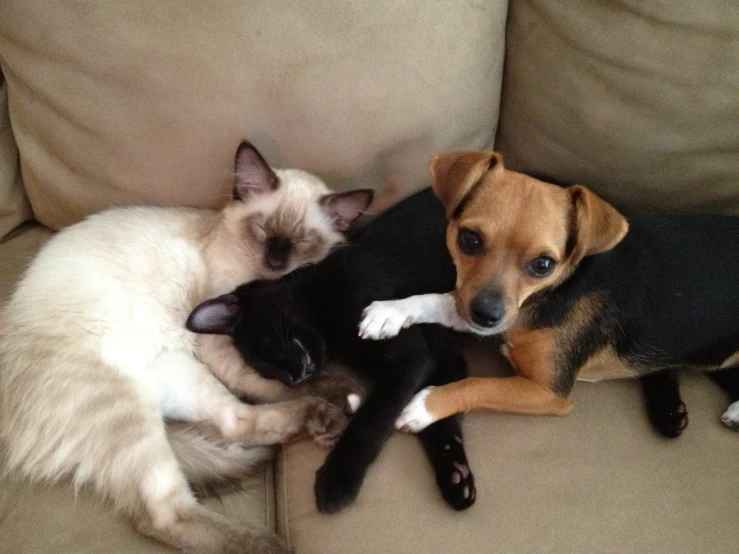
110, 102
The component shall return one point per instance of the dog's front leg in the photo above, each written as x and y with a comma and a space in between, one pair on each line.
385, 319
541, 387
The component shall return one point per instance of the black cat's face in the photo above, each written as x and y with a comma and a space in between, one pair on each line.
267, 330
278, 347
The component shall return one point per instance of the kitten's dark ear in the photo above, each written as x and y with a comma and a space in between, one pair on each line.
215, 316
253, 174
344, 207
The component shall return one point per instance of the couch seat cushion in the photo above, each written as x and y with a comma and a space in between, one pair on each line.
598, 480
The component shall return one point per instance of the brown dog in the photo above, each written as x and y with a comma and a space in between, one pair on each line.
550, 269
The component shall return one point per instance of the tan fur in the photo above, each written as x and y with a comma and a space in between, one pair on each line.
95, 356
599, 226
604, 364
519, 219
453, 174
211, 463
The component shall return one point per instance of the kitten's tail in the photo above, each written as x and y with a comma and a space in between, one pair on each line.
210, 463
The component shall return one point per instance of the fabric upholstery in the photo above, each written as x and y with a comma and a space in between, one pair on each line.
636, 98
14, 207
117, 102
598, 480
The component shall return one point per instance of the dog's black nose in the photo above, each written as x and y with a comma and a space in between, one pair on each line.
487, 310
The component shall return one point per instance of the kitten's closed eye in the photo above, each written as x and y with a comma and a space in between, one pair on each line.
257, 231
304, 245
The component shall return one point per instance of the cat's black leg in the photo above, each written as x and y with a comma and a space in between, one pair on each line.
665, 408
409, 366
444, 446
728, 379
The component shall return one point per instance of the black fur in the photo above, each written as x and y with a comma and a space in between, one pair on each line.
665, 408
400, 253
669, 300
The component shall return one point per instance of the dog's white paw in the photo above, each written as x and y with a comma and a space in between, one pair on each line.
382, 320
415, 417
731, 416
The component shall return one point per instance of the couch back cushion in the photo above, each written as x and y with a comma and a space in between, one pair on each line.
139, 101
637, 98
14, 208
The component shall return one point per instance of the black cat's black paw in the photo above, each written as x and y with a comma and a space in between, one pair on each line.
669, 418
337, 485
454, 476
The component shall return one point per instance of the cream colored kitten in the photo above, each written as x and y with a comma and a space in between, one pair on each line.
94, 355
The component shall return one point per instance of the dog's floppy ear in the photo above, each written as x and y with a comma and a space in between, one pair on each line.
597, 226
453, 174
215, 316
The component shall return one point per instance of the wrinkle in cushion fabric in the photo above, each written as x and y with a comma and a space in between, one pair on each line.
118, 102
637, 98
14, 206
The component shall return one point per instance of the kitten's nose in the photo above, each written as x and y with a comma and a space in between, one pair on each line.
274, 263
277, 252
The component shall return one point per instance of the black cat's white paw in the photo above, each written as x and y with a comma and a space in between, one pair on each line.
731, 416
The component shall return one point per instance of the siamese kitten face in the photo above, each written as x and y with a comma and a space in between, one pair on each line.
286, 218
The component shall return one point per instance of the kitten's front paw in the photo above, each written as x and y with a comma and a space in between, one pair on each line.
324, 421
337, 485
339, 389
731, 416
383, 320
415, 417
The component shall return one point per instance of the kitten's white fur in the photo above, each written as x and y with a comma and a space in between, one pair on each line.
94, 356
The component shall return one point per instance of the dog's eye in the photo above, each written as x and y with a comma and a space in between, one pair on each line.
541, 266
470, 242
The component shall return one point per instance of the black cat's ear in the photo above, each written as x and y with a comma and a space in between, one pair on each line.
253, 174
345, 207
215, 316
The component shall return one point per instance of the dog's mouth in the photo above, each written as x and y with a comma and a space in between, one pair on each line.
482, 330
487, 331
